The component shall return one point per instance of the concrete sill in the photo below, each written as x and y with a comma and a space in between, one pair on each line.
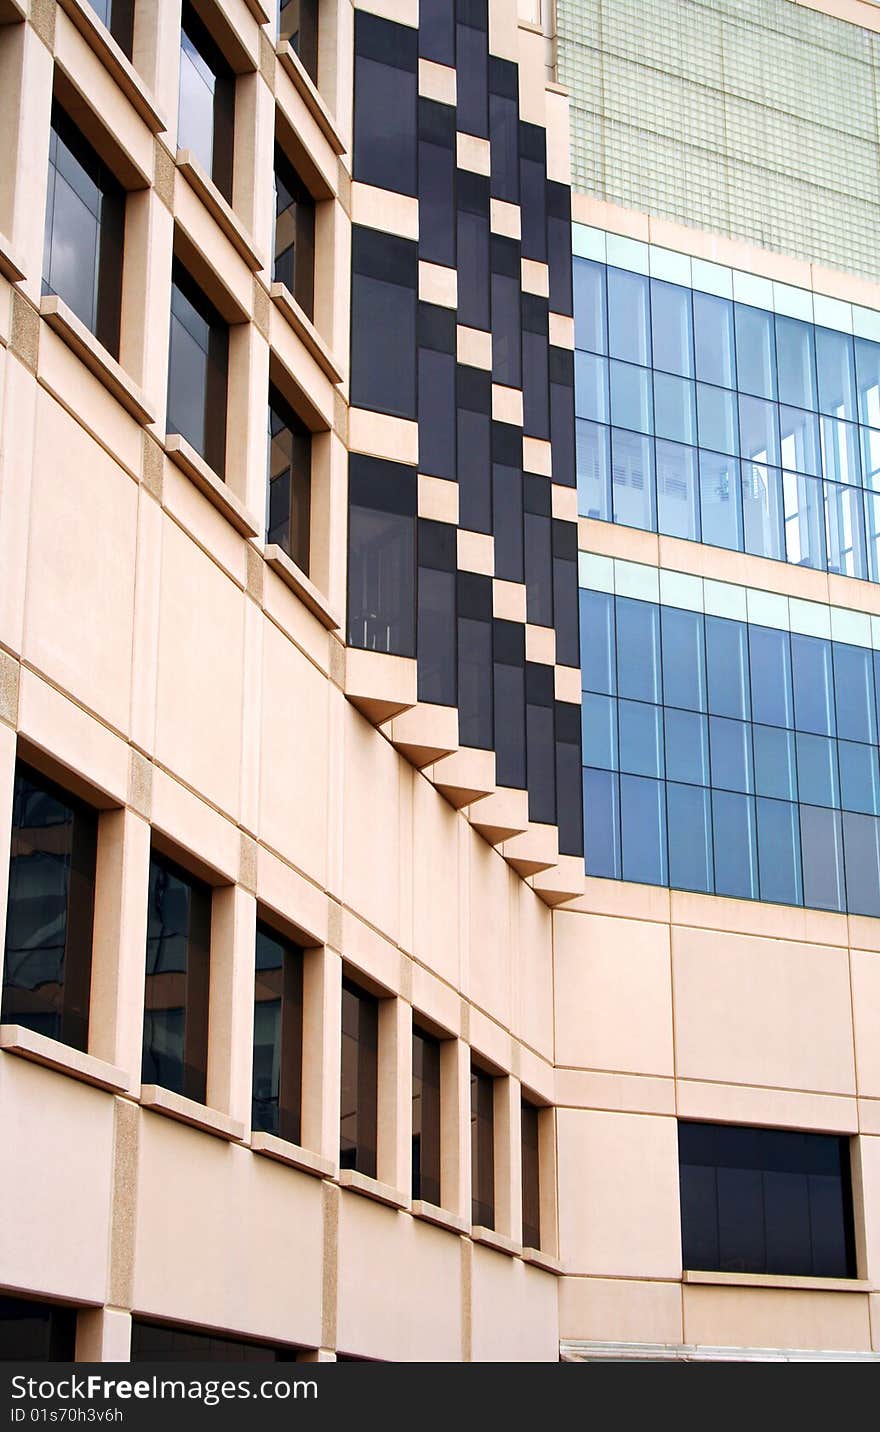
220, 210
187, 1111
539, 1259
305, 86
299, 583
439, 1216
11, 263
99, 39
490, 1239
259, 12
775, 1280
371, 1188
206, 480
306, 332
12, 11
271, 1147
27, 1044
94, 355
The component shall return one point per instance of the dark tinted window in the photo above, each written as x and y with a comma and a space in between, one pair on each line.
382, 556
298, 23
175, 1046
472, 198
472, 65
437, 31
206, 113
170, 1342
198, 365
426, 1117
48, 957
85, 219
438, 681
482, 1149
118, 16
475, 723
36, 1332
383, 323
531, 1191
436, 182
360, 1074
385, 95
289, 479
294, 234
278, 1032
510, 703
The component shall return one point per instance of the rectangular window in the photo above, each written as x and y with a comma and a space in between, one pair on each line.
475, 714
198, 370
294, 234
36, 1332
382, 555
437, 182
278, 1036
48, 958
85, 222
118, 17
531, 1185
298, 24
438, 682
472, 63
206, 113
509, 692
175, 1342
175, 1045
384, 283
385, 103
765, 1201
482, 1148
426, 1117
360, 1080
289, 481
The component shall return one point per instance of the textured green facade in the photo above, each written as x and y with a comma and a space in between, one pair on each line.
758, 119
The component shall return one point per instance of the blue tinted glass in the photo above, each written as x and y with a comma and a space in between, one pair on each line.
593, 470
822, 857
720, 497
758, 430
641, 738
854, 685
763, 515
687, 747
674, 412
871, 458
779, 852
813, 685
730, 744
835, 365
775, 772
628, 321
671, 328
599, 731
713, 338
591, 387
861, 839
597, 642
796, 358
817, 770
690, 837
631, 402
799, 441
601, 824
638, 649
717, 421
845, 531
678, 497
727, 657
684, 660
643, 830
804, 520
632, 480
859, 777
868, 381
736, 853
841, 461
755, 351
590, 322
770, 663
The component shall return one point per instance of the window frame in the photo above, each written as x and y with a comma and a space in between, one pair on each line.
196, 981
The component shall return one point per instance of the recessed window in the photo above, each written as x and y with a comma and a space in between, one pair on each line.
36, 1332
206, 113
298, 23
360, 1080
278, 1034
172, 1342
198, 370
290, 481
765, 1201
85, 220
531, 1187
175, 1048
48, 959
382, 555
425, 1117
294, 234
118, 17
482, 1148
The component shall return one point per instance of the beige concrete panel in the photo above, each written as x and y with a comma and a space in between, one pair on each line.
866, 1019
455, 1127
83, 393
57, 1140
103, 1335
438, 284
322, 1052
371, 840
869, 1200
201, 624
383, 436
146, 282
253, 159
507, 405
291, 896
119, 941
503, 35
476, 552
401, 12
217, 265
195, 826
80, 594
369, 953
776, 1108
623, 1093
379, 1250
540, 644
98, 94
472, 153
474, 347
156, 53
504, 218
538, 457
255, 629
532, 1014
535, 277
437, 82
613, 994
864, 933
231, 1003
618, 897
629, 1224
514, 1311
288, 612
309, 133
7, 786
558, 140
869, 1115
619, 1310
145, 622
394, 1150
751, 917
536, 1076
567, 685
532, 76
489, 1040
438, 499
26, 109
436, 897
600, 214
509, 600
56, 725
260, 1275
380, 209
435, 1001
564, 500
508, 1158
486, 975
757, 1011
775, 1318
294, 721
626, 542
246, 436
562, 336
196, 514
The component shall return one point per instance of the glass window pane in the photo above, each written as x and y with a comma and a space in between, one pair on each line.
601, 824
840, 451
796, 356
643, 830
671, 328
687, 747
736, 854
678, 498
730, 744
628, 316
813, 684
690, 837
758, 430
872, 534
385, 108
861, 838
871, 458
844, 530
741, 1245
599, 731
799, 441
597, 627
684, 661
835, 364
383, 318
713, 336
590, 322
631, 403
804, 520
770, 663
787, 1218
728, 667
763, 515
775, 771
822, 854
632, 480
817, 770
755, 351
779, 855
674, 410
720, 498
593, 470
859, 777
868, 376
638, 649
717, 422
641, 738
591, 387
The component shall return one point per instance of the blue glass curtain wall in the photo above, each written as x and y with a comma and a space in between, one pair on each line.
729, 758
711, 420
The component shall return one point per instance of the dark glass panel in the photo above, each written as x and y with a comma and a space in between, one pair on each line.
533, 191
175, 1041
436, 182
684, 660
565, 592
569, 807
504, 137
294, 234
437, 420
539, 569
173, 1342
36, 1332
437, 666
736, 849
118, 16
475, 673
507, 520
510, 704
206, 103
531, 1184
559, 247
813, 684
472, 66
506, 317
289, 481
360, 1080
643, 830
278, 1033
775, 771
198, 366
298, 23
385, 103
540, 743
425, 1117
437, 31
770, 665
472, 199
861, 841
687, 747
474, 438
638, 649
602, 824
382, 556
779, 852
690, 837
482, 1149
383, 320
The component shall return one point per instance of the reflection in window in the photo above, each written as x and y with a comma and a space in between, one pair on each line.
206, 107
118, 17
278, 1036
294, 234
289, 481
482, 1148
360, 1080
381, 556
198, 364
425, 1117
298, 23
175, 1041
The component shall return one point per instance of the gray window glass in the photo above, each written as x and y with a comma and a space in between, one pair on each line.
690, 837
817, 770
720, 500
638, 649
717, 421
593, 470
591, 387
859, 777
674, 408
632, 480
796, 357
599, 730
591, 325
755, 351
822, 856
763, 515
631, 398
672, 328
602, 824
835, 363
641, 738
643, 830
730, 743
736, 852
687, 747
779, 854
803, 504
628, 316
775, 770
713, 340
678, 497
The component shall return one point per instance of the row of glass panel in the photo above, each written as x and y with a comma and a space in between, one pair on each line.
745, 506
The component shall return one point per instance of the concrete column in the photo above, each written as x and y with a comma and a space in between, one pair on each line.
156, 56
394, 1151
316, 1354
119, 942
455, 1127
231, 1016
254, 160
25, 110
329, 519
146, 287
508, 1158
248, 418
103, 1335
322, 1051
7, 783
547, 1182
